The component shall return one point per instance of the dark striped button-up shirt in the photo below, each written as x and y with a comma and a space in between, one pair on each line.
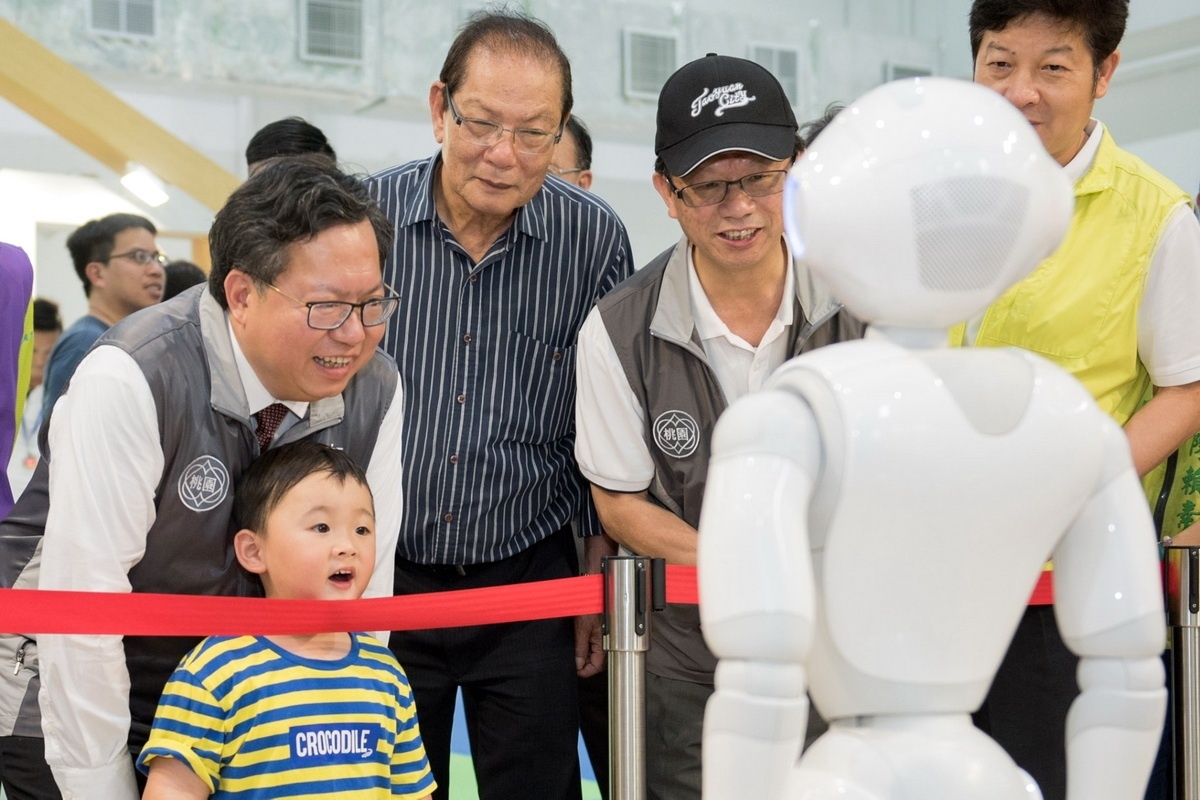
487, 355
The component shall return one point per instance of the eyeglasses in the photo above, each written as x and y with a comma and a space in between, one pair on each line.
559, 171
709, 193
530, 141
328, 315
140, 256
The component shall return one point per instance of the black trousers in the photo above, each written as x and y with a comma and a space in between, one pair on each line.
593, 725
1026, 708
24, 774
518, 681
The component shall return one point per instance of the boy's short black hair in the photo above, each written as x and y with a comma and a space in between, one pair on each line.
278, 471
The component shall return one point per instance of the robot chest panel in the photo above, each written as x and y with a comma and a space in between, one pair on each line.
939, 531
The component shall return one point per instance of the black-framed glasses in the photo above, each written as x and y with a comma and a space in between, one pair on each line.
559, 171
141, 256
328, 315
709, 193
530, 141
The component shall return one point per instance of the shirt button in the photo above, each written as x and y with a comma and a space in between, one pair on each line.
474, 279
467, 338
454, 459
448, 517
462, 398
557, 356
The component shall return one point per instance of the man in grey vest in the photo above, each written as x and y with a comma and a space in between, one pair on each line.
665, 352
159, 422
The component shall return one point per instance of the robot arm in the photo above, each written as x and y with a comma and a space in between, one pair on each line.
756, 592
1108, 602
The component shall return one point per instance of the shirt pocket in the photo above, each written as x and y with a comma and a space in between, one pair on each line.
541, 377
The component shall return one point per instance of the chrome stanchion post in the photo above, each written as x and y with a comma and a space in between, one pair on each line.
633, 589
1183, 617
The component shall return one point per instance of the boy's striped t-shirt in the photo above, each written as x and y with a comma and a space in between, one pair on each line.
255, 721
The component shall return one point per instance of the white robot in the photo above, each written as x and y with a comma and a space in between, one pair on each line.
876, 518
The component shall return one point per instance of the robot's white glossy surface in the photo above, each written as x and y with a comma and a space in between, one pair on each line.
876, 518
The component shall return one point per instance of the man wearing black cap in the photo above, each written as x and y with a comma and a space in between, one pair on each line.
662, 355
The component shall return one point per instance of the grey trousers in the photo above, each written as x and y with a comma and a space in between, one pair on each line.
674, 729
674, 724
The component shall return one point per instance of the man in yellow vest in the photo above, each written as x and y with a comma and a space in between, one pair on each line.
1115, 306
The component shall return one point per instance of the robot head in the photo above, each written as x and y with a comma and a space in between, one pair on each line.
924, 200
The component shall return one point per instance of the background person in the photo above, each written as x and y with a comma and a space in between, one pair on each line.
47, 327
117, 259
573, 154
181, 275
497, 268
662, 356
17, 750
160, 421
1113, 306
307, 531
572, 162
291, 136
810, 130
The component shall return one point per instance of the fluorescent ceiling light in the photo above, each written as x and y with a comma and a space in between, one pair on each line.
145, 184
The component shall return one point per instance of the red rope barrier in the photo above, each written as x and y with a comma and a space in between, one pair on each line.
37, 611
32, 611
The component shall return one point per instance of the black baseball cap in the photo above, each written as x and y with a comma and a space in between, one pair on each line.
717, 104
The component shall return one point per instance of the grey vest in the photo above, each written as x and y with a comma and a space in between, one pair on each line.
649, 320
207, 442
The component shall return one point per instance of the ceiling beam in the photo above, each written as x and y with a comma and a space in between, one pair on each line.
85, 113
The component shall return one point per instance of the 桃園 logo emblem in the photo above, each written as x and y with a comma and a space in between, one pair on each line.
204, 484
676, 433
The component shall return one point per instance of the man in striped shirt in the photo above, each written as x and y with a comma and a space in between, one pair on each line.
497, 266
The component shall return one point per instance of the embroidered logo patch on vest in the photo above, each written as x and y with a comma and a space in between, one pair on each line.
676, 433
333, 743
204, 484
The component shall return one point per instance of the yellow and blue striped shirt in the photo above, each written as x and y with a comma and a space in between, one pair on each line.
253, 720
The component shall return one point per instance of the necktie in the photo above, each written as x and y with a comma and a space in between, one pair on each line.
268, 422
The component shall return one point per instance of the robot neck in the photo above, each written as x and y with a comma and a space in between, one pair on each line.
911, 338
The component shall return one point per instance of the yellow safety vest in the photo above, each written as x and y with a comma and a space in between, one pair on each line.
1079, 308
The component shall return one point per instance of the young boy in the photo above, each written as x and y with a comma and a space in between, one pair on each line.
293, 716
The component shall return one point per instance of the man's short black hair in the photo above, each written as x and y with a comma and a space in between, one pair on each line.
812, 129
276, 472
181, 275
93, 241
291, 199
583, 142
507, 32
1102, 22
292, 136
45, 316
